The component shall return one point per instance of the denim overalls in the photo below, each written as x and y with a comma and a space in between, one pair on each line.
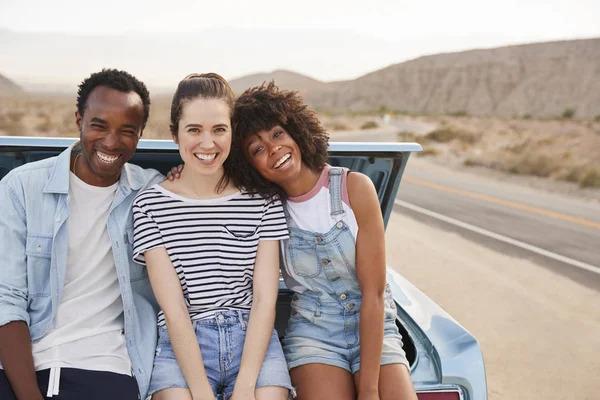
324, 323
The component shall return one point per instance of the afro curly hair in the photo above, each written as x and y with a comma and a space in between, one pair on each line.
264, 107
114, 79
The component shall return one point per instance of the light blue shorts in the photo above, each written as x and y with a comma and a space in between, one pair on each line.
221, 340
329, 334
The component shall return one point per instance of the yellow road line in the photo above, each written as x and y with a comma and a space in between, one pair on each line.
506, 203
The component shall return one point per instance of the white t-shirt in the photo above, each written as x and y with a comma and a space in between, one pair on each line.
87, 332
312, 212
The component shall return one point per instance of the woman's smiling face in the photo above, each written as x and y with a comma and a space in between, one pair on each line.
274, 154
204, 135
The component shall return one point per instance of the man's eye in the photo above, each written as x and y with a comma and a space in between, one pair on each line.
129, 133
96, 126
195, 130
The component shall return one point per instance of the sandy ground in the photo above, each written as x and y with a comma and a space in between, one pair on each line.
539, 331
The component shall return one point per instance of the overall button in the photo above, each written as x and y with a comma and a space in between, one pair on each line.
349, 306
319, 239
38, 249
340, 225
57, 219
343, 296
388, 289
325, 261
221, 317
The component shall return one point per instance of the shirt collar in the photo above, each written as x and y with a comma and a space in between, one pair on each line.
59, 175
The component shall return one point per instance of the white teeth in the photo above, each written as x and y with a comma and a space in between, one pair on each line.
205, 157
282, 160
105, 158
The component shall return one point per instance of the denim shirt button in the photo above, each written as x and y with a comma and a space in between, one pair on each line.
38, 249
57, 219
319, 239
340, 225
343, 296
221, 317
325, 261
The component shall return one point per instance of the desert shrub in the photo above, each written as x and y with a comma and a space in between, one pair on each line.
534, 164
597, 118
518, 148
369, 125
339, 126
430, 151
45, 125
527, 116
469, 162
591, 179
458, 113
568, 113
404, 136
446, 135
574, 174
15, 116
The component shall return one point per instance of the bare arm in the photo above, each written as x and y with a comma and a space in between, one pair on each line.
15, 339
167, 289
370, 266
262, 315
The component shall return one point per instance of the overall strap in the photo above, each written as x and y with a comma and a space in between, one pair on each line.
335, 191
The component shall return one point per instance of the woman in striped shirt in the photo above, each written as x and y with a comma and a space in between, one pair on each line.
211, 250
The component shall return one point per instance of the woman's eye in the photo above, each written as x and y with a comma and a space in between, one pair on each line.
221, 130
257, 150
195, 130
277, 134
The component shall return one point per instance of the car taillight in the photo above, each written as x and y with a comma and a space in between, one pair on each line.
439, 395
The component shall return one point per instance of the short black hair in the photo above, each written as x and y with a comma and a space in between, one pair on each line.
114, 79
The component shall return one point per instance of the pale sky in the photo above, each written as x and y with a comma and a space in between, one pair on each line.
376, 33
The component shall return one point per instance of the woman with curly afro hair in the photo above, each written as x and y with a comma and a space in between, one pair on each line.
341, 341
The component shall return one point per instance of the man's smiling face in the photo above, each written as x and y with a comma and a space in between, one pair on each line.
110, 129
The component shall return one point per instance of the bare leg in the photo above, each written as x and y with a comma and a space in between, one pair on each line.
173, 394
322, 382
394, 383
271, 393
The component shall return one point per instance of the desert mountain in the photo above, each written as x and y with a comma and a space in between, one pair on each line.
8, 87
541, 79
284, 80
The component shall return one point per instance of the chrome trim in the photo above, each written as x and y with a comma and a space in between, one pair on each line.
155, 144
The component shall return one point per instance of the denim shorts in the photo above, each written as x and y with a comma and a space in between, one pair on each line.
329, 334
221, 340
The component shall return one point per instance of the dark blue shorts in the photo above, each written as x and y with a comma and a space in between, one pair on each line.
78, 384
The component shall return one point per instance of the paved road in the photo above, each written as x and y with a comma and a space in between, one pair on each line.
558, 232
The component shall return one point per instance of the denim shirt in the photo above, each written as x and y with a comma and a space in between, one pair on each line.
34, 243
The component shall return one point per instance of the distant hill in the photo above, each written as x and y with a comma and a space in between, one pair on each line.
284, 80
541, 80
9, 87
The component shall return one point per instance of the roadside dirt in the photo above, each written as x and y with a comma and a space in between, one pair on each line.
538, 330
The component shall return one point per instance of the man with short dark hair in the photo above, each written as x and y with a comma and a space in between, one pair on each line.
77, 316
